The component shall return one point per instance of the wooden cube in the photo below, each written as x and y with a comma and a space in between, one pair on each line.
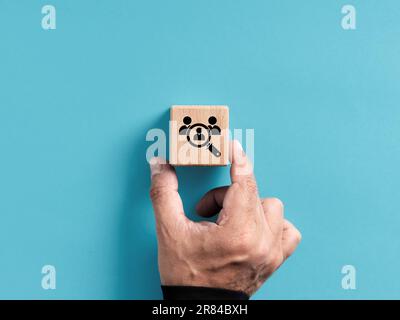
199, 136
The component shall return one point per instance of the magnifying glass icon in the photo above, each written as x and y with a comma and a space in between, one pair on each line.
199, 136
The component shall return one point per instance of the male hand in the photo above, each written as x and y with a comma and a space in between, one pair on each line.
249, 241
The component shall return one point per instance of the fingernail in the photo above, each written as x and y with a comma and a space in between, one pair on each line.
237, 142
238, 152
239, 147
155, 166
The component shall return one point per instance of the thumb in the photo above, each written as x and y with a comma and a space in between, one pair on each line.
167, 203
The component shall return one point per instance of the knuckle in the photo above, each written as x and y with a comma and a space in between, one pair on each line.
262, 252
278, 259
251, 185
274, 257
276, 202
250, 189
242, 244
297, 236
156, 193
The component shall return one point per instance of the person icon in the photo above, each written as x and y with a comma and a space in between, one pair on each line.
214, 129
199, 136
184, 129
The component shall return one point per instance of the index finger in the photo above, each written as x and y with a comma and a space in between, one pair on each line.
242, 196
241, 166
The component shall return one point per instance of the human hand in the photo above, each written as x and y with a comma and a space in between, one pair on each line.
248, 242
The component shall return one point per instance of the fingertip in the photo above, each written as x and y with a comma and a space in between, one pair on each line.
199, 208
212, 202
157, 164
236, 151
157, 161
241, 166
201, 211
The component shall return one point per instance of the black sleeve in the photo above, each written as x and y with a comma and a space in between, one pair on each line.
201, 293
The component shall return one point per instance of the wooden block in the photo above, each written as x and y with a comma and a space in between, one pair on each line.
199, 136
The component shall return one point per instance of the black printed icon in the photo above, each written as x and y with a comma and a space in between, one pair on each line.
199, 134
187, 121
215, 130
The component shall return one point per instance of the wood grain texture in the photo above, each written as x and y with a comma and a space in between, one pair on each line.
199, 135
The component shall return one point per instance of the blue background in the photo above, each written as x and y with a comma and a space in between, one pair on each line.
76, 104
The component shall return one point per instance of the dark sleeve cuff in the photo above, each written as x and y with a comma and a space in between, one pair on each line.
201, 293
